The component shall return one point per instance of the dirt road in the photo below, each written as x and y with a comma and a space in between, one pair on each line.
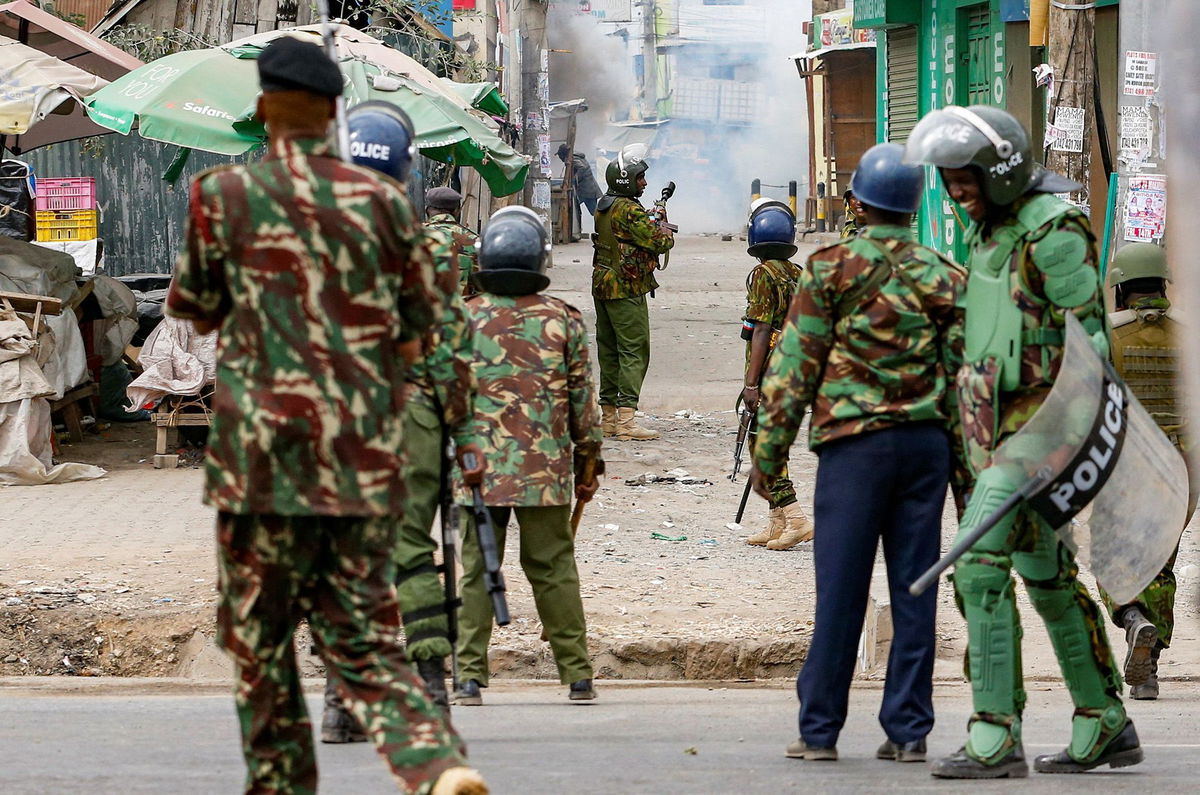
116, 576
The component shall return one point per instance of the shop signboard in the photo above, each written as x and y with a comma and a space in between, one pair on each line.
885, 13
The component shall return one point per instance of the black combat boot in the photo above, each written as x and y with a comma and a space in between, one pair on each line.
960, 764
1122, 751
337, 724
902, 752
468, 694
433, 672
1148, 690
581, 690
1142, 639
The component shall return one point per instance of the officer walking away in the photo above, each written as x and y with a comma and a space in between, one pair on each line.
628, 242
535, 412
870, 341
1145, 340
439, 395
769, 290
1032, 261
443, 209
587, 191
304, 464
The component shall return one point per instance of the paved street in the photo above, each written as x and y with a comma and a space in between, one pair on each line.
155, 736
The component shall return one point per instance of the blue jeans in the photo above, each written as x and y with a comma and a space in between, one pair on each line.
888, 484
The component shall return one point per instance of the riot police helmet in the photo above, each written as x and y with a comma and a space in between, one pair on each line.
989, 141
513, 252
381, 138
623, 171
883, 180
771, 231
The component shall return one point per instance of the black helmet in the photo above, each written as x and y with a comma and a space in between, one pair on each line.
772, 230
988, 138
622, 174
513, 251
381, 137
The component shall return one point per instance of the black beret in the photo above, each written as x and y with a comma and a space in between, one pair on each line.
288, 64
443, 199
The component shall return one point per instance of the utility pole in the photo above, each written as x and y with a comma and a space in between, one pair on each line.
649, 59
535, 93
1072, 51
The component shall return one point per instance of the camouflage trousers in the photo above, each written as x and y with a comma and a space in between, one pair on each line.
418, 587
336, 572
1157, 603
781, 488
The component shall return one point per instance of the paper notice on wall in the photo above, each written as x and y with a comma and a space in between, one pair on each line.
541, 194
1137, 133
1141, 73
543, 142
1145, 212
543, 88
1068, 130
533, 121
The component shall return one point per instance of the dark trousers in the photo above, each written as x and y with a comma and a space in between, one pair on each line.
891, 485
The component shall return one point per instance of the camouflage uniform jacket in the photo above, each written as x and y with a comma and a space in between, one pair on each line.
314, 270
989, 415
865, 355
466, 245
536, 399
769, 290
626, 256
443, 375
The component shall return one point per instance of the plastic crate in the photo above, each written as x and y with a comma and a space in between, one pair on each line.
66, 193
66, 225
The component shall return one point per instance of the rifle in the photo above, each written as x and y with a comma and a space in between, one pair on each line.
1027, 490
747, 430
492, 576
449, 514
341, 123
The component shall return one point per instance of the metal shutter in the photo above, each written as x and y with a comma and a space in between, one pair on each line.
902, 106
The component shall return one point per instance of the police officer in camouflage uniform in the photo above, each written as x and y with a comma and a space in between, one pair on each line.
1145, 340
535, 417
1033, 260
304, 457
443, 207
628, 242
769, 289
439, 395
870, 341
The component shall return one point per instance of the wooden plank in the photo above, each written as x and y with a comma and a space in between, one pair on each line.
245, 12
242, 31
173, 420
24, 302
74, 396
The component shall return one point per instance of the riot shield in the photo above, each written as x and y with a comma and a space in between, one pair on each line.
1106, 454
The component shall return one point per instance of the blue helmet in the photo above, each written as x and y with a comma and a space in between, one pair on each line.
772, 232
381, 137
884, 180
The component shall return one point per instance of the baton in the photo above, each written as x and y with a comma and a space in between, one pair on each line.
1027, 490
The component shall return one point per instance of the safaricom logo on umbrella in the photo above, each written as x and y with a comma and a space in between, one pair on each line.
207, 110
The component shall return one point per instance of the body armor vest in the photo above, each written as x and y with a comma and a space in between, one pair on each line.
994, 323
1145, 352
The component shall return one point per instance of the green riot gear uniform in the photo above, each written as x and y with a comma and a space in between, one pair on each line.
1032, 261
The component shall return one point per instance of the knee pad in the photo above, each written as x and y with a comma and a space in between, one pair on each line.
1050, 599
982, 579
993, 486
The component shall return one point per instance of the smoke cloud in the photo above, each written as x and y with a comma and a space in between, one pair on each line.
713, 147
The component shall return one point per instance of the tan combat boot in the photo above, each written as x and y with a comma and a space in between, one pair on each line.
774, 529
608, 420
627, 427
798, 528
460, 781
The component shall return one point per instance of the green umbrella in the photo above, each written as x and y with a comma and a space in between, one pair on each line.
204, 99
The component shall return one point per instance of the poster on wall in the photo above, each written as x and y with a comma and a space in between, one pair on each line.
1141, 73
603, 10
1136, 138
543, 142
1068, 130
541, 195
1146, 209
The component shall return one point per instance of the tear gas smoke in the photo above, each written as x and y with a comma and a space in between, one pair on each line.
737, 105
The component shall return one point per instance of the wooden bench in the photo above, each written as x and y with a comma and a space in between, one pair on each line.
171, 414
